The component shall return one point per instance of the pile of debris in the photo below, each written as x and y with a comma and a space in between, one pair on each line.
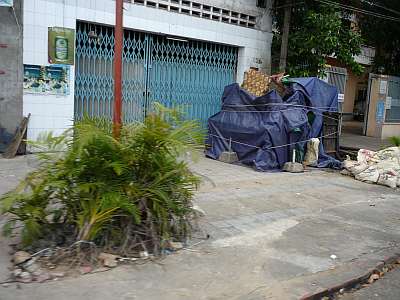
27, 269
52, 264
382, 167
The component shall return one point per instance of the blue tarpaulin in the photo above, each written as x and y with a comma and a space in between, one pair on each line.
263, 131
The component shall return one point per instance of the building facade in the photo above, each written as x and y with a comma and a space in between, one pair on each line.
177, 52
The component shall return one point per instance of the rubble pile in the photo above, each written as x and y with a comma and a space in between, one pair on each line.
381, 167
27, 269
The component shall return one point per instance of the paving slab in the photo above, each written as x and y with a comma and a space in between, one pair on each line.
272, 237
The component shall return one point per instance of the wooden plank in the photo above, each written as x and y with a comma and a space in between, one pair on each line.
12, 149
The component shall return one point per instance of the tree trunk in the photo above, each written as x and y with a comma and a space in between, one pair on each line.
285, 35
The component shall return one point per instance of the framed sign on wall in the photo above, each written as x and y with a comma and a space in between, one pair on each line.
61, 46
50, 80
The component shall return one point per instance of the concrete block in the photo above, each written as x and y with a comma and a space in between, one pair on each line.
228, 157
293, 167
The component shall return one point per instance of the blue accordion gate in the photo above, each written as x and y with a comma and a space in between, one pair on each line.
176, 73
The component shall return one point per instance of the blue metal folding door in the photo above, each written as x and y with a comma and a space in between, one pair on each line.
176, 73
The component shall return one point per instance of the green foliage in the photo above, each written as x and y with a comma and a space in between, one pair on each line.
383, 34
107, 189
316, 33
395, 141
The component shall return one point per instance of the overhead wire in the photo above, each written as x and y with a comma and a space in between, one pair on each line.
279, 104
290, 5
359, 10
279, 146
282, 110
273, 147
381, 6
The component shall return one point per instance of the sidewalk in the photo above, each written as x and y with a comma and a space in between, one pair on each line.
272, 237
350, 140
352, 137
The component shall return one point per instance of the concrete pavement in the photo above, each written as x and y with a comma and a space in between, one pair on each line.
350, 140
272, 237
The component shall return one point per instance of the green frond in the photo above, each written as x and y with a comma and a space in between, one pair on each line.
96, 184
395, 141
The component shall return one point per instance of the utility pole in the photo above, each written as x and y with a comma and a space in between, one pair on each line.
285, 35
118, 38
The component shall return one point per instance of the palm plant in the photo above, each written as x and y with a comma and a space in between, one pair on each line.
133, 191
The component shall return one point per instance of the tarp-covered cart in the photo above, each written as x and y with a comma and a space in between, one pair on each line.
265, 130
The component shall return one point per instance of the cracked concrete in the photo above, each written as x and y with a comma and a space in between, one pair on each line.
272, 235
387, 288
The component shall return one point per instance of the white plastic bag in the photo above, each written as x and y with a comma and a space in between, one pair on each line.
311, 157
357, 168
371, 174
389, 180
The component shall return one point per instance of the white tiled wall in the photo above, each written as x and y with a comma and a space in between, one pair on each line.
56, 112
48, 112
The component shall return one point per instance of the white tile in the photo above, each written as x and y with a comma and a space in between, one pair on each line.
59, 110
70, 12
32, 135
82, 13
70, 23
40, 58
85, 4
29, 5
40, 6
35, 121
51, 20
58, 122
59, 15
29, 43
47, 122
27, 107
72, 2
40, 19
29, 57
51, 8
62, 122
109, 7
100, 5
59, 21
29, 18
100, 16
40, 45
91, 15
40, 32
58, 131
69, 122
29, 31
109, 19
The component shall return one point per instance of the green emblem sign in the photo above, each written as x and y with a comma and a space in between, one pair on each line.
61, 46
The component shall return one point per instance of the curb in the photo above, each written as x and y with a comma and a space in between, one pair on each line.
347, 285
